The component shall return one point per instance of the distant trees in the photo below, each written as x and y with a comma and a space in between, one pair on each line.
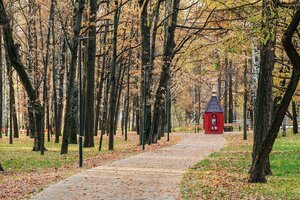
14, 60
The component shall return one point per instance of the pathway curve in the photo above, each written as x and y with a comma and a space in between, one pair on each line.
150, 175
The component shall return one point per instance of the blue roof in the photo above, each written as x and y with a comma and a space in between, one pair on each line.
213, 105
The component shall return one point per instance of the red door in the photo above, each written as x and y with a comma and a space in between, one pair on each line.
214, 122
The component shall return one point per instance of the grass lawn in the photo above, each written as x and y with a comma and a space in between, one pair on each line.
19, 156
224, 175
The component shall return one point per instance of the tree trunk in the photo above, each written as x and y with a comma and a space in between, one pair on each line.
284, 127
90, 78
70, 103
295, 116
102, 79
1, 85
55, 82
127, 98
13, 107
113, 90
137, 114
10, 105
119, 88
61, 78
226, 92
265, 82
146, 68
105, 108
245, 97
168, 55
258, 170
230, 95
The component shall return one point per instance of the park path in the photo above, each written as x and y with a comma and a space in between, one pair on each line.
150, 175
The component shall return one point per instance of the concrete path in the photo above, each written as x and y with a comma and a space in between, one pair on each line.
150, 175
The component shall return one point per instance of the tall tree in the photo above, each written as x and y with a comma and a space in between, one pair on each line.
14, 60
230, 94
295, 117
168, 55
226, 90
90, 77
257, 173
12, 102
145, 61
113, 89
1, 85
263, 102
45, 72
70, 120
245, 97
61, 78
101, 76
55, 83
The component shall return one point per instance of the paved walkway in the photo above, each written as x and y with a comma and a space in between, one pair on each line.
150, 175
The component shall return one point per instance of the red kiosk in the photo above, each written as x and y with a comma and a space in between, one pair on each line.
213, 119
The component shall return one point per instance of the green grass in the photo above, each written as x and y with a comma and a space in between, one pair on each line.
224, 175
19, 156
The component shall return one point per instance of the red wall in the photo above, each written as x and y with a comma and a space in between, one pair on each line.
207, 123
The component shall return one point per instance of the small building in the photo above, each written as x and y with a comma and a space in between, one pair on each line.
213, 119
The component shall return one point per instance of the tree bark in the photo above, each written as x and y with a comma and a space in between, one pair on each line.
226, 91
113, 89
230, 95
1, 86
127, 97
245, 98
295, 116
90, 77
102, 79
168, 55
146, 68
120, 86
70, 103
61, 78
263, 104
55, 82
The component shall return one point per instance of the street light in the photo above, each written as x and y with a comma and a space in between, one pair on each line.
81, 113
